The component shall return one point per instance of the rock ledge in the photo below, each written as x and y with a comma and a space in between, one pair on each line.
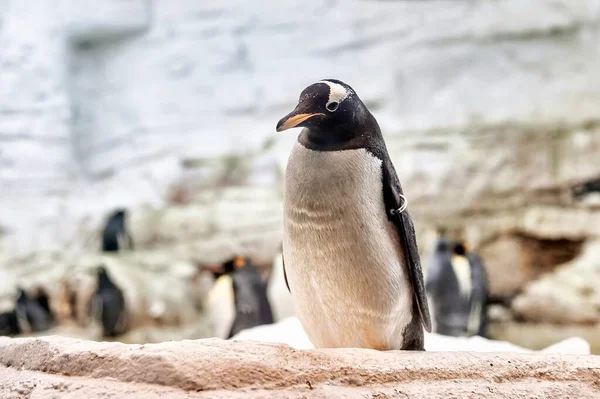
51, 367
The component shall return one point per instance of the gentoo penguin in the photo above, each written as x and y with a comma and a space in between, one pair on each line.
349, 248
252, 306
115, 236
108, 305
30, 312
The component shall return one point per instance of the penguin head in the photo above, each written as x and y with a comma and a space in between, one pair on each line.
22, 296
118, 214
460, 248
103, 278
328, 106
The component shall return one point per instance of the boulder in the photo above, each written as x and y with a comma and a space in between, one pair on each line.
53, 367
569, 295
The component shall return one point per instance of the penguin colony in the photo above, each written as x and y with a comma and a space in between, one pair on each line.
108, 306
349, 248
30, 314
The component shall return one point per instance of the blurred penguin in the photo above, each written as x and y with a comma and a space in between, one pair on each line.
108, 305
478, 323
115, 236
238, 300
441, 285
252, 306
457, 285
32, 314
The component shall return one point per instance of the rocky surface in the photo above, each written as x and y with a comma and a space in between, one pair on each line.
50, 367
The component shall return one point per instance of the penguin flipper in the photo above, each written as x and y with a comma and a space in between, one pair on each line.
480, 292
285, 275
406, 230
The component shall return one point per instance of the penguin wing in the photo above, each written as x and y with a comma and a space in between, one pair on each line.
479, 277
406, 230
285, 275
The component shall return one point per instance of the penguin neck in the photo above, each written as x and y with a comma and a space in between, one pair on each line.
353, 134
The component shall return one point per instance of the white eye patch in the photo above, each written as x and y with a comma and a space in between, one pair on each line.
337, 94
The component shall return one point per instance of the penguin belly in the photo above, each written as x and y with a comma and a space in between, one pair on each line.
343, 258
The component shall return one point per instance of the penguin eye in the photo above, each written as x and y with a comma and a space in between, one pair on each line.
332, 106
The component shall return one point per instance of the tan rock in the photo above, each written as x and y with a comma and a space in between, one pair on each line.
571, 294
50, 367
499, 257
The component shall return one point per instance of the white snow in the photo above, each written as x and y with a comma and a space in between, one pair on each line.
289, 331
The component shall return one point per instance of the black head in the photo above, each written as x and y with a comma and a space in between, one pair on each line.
331, 111
118, 214
460, 248
103, 278
22, 296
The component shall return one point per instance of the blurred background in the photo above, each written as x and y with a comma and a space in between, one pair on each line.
166, 110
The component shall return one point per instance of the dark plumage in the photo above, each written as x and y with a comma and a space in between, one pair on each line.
108, 305
457, 314
115, 236
252, 306
226, 268
9, 324
479, 296
35, 314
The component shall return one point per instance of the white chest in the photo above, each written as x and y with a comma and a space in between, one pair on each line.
343, 259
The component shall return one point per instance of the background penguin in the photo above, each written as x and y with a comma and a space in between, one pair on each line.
238, 299
479, 295
31, 312
350, 253
115, 236
225, 268
108, 305
42, 298
252, 306
457, 285
442, 286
